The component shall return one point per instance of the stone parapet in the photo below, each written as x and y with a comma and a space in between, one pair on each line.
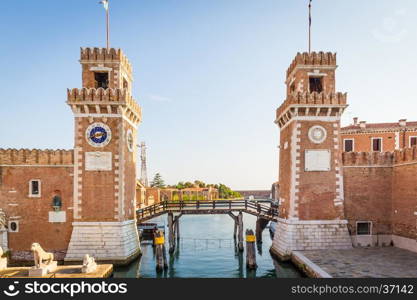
36, 157
388, 159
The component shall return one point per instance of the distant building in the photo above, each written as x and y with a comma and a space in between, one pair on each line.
378, 137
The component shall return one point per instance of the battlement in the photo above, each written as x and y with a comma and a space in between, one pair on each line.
316, 99
312, 59
407, 155
36, 157
101, 101
367, 158
102, 55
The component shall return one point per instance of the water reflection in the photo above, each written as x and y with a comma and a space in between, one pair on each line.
206, 249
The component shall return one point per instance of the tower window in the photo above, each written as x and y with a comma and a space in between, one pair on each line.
316, 84
34, 188
413, 141
348, 145
125, 84
101, 80
377, 144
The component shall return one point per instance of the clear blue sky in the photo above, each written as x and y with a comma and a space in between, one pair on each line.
209, 74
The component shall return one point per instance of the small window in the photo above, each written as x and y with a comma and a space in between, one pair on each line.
348, 145
125, 84
413, 141
292, 88
363, 228
316, 84
101, 80
35, 188
377, 144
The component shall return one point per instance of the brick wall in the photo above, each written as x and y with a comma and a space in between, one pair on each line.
32, 213
382, 188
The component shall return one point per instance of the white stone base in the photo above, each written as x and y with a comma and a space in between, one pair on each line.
380, 240
3, 263
292, 235
404, 243
43, 270
106, 241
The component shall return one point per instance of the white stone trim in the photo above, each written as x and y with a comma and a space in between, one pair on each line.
311, 118
319, 272
372, 144
353, 144
39, 187
312, 222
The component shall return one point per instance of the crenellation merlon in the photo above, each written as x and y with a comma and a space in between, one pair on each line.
402, 156
321, 58
305, 99
36, 157
103, 98
104, 55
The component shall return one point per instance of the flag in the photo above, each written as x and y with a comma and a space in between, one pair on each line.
309, 16
105, 4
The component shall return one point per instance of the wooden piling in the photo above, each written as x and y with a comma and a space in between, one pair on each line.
161, 261
260, 226
240, 236
250, 250
177, 227
171, 233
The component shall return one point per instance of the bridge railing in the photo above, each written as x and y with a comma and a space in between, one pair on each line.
228, 205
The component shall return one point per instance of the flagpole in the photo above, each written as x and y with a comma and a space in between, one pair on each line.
108, 27
309, 27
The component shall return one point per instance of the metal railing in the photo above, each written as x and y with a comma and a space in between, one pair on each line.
222, 206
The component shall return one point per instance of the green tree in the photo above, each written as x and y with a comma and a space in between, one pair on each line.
157, 181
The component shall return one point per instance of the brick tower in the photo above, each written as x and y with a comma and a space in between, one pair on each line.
310, 165
106, 120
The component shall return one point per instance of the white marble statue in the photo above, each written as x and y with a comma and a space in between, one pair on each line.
89, 264
40, 256
2, 220
3, 260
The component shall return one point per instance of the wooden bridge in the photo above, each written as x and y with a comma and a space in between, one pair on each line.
263, 212
259, 210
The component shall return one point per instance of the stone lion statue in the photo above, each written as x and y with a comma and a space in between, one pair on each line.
88, 260
1, 252
2, 219
89, 264
40, 256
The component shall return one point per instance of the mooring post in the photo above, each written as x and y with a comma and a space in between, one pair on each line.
159, 241
258, 231
240, 236
260, 226
250, 250
235, 229
177, 227
171, 233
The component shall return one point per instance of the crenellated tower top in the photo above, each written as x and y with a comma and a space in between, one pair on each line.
105, 68
311, 88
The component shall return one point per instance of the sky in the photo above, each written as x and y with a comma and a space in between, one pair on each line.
209, 74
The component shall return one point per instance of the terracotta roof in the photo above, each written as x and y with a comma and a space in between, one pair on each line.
380, 126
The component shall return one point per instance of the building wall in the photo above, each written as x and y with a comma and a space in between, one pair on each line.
55, 171
391, 141
382, 188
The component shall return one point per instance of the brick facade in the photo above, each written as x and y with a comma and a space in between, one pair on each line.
96, 180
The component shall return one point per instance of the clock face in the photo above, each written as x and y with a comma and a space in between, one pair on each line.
129, 140
317, 134
98, 134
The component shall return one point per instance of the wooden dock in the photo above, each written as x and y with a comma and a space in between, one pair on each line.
70, 271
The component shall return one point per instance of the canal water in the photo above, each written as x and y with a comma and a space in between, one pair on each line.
207, 250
